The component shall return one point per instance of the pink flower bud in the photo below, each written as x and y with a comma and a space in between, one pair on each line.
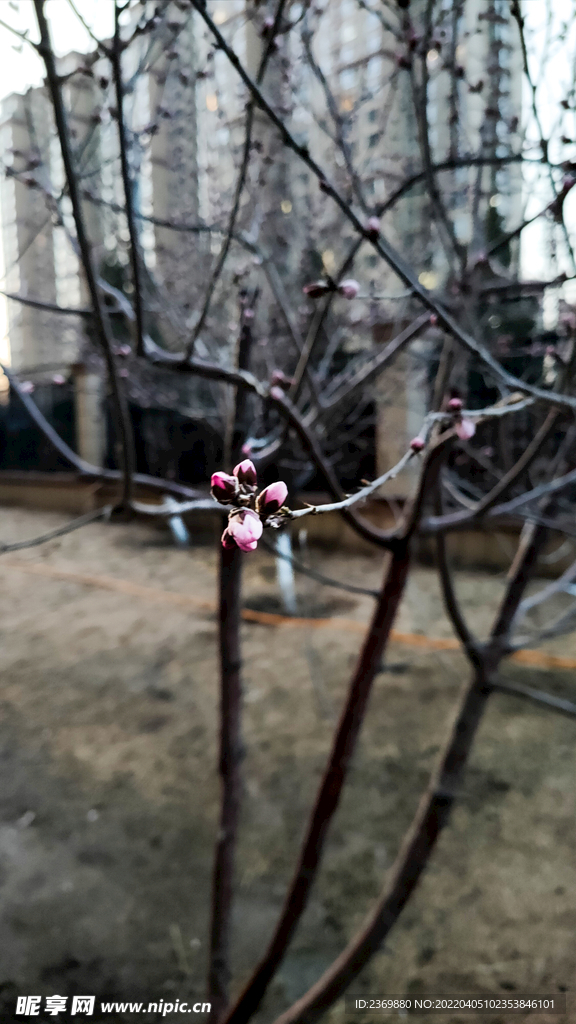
433, 319
245, 529
224, 487
465, 429
316, 289
349, 288
58, 379
272, 498
417, 444
246, 473
279, 379
373, 226
27, 387
455, 404
227, 540
246, 448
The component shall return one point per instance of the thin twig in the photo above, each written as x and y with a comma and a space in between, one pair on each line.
566, 707
86, 469
116, 62
451, 603
223, 254
342, 386
60, 531
313, 574
120, 403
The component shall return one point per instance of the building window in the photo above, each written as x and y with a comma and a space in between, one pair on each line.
372, 115
374, 140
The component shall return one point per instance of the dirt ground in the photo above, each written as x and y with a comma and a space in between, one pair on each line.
109, 797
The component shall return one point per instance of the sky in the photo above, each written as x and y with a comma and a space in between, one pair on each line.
20, 65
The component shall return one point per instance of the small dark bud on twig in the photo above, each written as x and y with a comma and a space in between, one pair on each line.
373, 227
280, 380
317, 289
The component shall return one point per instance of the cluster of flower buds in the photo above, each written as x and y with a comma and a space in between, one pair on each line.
465, 428
235, 489
250, 510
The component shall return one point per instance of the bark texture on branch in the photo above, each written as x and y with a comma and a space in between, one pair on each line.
229, 767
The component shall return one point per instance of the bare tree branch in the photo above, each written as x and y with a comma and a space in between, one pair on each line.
119, 398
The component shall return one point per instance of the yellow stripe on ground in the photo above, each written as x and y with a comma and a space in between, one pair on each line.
537, 659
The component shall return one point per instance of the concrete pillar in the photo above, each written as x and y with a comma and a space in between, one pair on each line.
90, 416
401, 403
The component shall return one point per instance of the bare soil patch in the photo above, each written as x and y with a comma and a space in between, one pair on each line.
109, 797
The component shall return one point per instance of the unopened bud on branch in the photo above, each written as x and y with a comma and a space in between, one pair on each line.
224, 488
246, 473
279, 379
267, 26
316, 289
349, 288
417, 444
244, 529
373, 227
272, 498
